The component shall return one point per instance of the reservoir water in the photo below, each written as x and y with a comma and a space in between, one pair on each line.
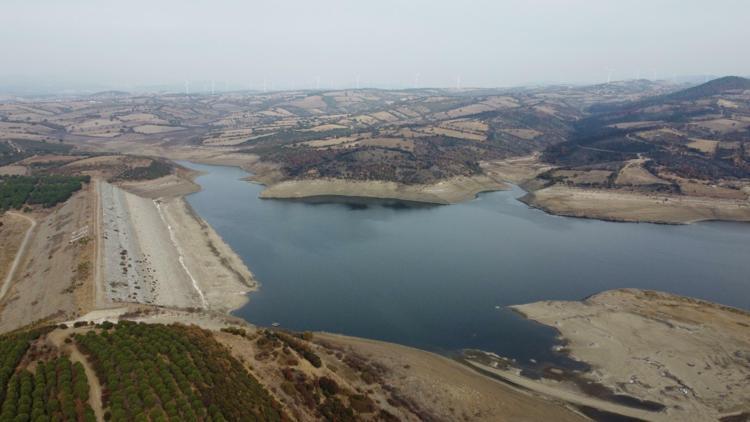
440, 277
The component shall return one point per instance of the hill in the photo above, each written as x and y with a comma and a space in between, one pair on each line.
711, 88
716, 87
700, 133
160, 370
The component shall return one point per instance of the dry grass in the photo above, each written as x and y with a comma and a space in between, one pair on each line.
94, 125
722, 125
384, 116
50, 280
331, 142
449, 390
151, 129
146, 118
635, 125
466, 111
634, 174
584, 177
326, 127
403, 144
627, 206
522, 133
312, 102
703, 145
695, 188
467, 125
229, 137
13, 170
437, 130
502, 102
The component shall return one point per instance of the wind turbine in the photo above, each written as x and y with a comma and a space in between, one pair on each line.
187, 87
609, 75
416, 80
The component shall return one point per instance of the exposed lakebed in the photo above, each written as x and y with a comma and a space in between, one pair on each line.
440, 277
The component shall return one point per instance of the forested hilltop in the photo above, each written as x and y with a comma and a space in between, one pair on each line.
47, 191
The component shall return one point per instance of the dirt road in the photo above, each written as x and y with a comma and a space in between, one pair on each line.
57, 338
19, 254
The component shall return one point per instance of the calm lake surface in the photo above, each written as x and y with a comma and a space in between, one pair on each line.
439, 277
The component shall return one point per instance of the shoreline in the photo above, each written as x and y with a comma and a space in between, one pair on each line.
220, 294
631, 207
453, 387
190, 227
652, 347
595, 204
159, 251
445, 192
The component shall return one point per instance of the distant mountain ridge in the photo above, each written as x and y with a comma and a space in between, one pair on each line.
710, 88
706, 90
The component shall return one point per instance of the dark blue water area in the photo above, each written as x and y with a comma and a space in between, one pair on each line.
440, 278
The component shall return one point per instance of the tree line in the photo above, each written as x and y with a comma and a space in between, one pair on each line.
45, 190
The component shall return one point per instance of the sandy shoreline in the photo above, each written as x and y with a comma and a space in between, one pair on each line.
560, 200
689, 355
450, 191
635, 207
453, 391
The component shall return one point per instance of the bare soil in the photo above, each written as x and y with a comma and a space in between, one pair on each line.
690, 355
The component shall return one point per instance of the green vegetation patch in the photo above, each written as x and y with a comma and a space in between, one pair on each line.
155, 170
52, 390
173, 372
12, 349
23, 148
48, 191
57, 390
291, 136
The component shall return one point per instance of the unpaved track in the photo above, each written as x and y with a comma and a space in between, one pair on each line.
19, 254
95, 388
570, 396
100, 298
57, 338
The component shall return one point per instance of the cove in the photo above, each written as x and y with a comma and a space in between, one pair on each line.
440, 277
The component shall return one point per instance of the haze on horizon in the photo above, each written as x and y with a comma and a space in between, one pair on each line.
335, 43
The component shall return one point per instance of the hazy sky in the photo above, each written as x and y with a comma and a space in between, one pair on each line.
294, 43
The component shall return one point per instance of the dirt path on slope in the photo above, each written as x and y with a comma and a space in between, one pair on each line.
57, 338
19, 254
